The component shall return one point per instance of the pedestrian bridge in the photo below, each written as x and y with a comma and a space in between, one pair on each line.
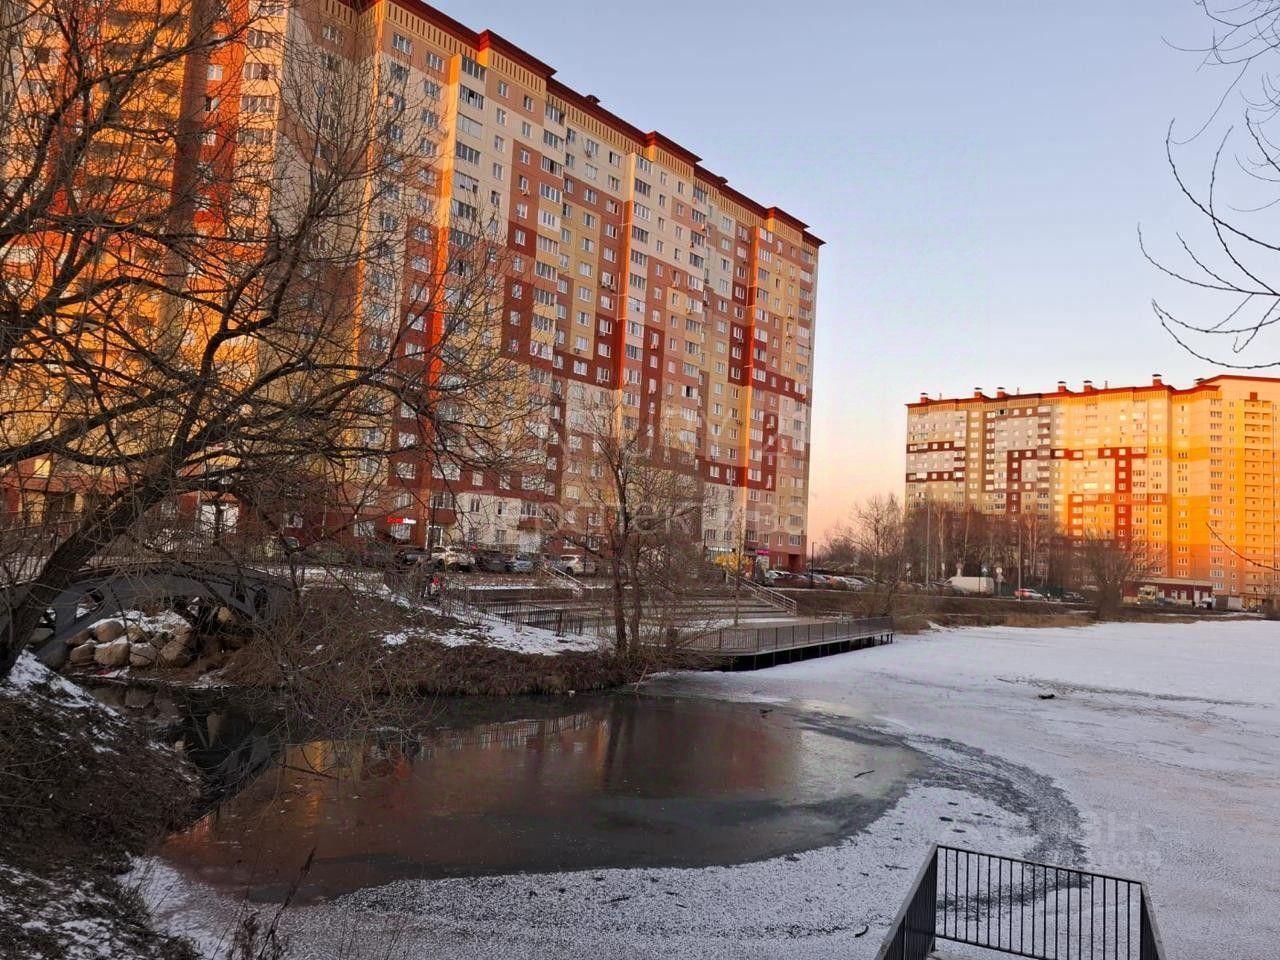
102, 592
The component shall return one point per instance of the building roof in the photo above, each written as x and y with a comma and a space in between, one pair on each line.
1157, 384
487, 39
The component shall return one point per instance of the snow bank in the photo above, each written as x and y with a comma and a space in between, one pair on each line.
513, 636
491, 631
29, 676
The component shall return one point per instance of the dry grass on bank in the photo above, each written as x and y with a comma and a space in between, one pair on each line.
914, 623
80, 790
338, 647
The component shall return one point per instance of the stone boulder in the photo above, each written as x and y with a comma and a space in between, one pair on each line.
142, 655
181, 631
136, 633
113, 654
81, 655
107, 631
175, 653
80, 638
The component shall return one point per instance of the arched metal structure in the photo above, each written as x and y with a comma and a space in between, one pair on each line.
103, 592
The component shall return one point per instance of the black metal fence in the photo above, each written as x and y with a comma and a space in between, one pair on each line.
914, 930
1023, 909
558, 620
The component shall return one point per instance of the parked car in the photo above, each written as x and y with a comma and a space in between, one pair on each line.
1071, 596
412, 556
1026, 593
453, 558
521, 563
281, 546
828, 581
491, 561
326, 551
577, 566
376, 553
785, 578
546, 561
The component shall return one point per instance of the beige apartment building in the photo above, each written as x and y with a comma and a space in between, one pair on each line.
1192, 475
638, 279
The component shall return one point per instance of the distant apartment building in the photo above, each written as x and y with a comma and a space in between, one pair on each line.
639, 278
1192, 475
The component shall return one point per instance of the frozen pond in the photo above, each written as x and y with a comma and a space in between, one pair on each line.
1142, 750
612, 781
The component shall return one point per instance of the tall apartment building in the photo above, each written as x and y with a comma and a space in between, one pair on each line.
638, 278
1191, 474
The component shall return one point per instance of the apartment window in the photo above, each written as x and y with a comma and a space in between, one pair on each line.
257, 104
401, 43
435, 61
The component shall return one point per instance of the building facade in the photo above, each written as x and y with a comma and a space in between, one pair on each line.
1191, 476
637, 279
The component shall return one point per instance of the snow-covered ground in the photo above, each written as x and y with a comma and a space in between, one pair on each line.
1157, 757
483, 630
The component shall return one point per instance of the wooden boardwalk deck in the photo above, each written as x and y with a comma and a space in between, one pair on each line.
753, 647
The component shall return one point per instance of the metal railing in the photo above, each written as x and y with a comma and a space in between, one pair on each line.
752, 640
775, 598
565, 579
556, 619
913, 933
1022, 908
471, 606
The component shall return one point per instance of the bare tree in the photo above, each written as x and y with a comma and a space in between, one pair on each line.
876, 535
227, 304
633, 500
1111, 564
1234, 263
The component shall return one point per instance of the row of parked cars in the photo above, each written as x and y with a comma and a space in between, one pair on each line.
493, 561
831, 581
381, 553
821, 581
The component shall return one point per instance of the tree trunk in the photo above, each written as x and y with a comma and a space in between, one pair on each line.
98, 530
635, 594
619, 610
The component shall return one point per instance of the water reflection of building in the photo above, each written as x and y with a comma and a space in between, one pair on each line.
492, 795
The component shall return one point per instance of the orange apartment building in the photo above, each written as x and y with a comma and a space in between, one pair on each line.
1192, 475
639, 278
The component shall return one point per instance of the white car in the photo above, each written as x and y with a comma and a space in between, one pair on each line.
452, 558
577, 566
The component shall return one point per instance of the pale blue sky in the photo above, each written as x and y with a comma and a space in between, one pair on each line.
978, 170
